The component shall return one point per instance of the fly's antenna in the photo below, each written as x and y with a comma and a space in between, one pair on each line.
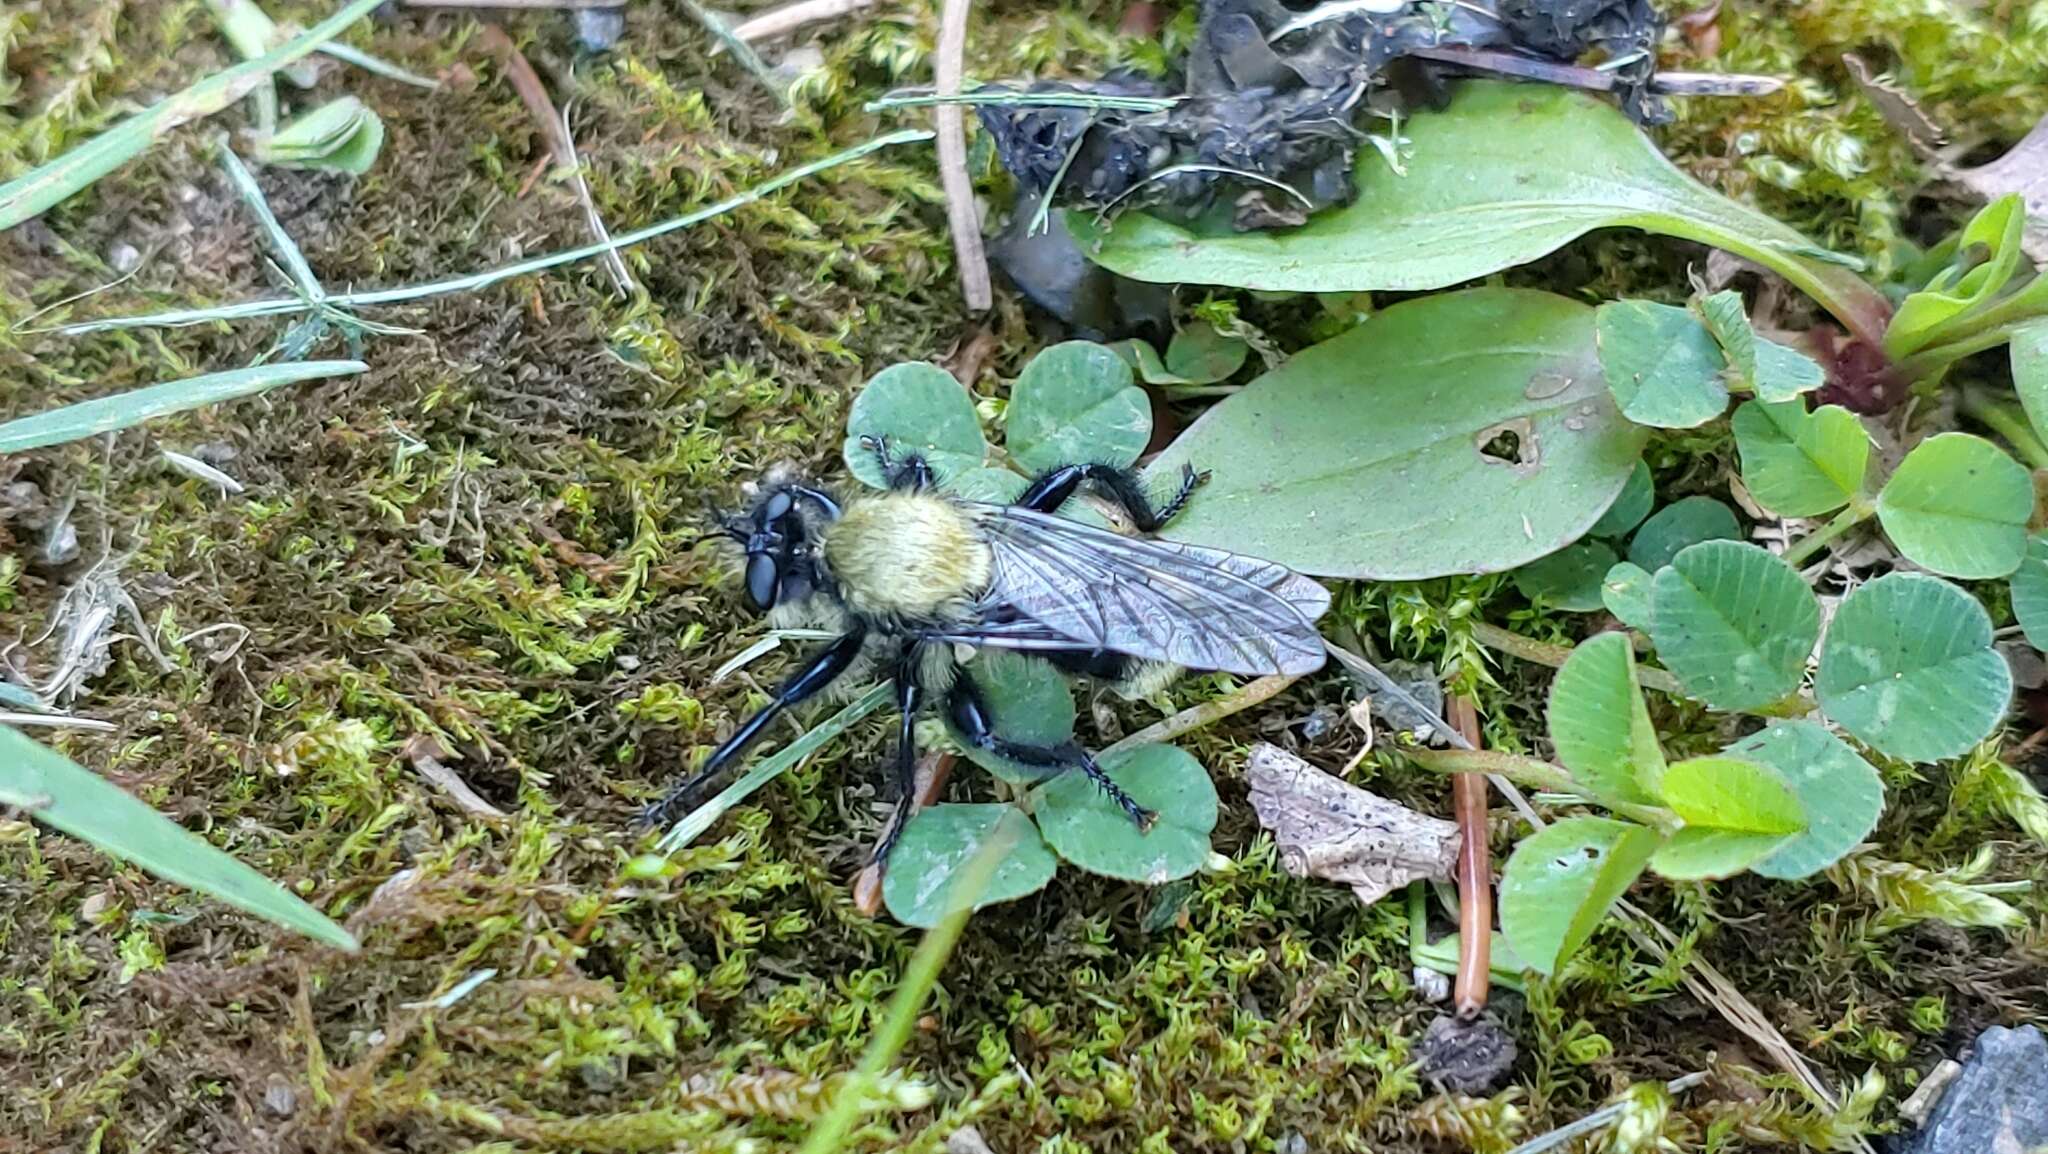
731, 526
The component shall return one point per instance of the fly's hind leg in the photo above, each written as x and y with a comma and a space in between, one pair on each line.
970, 717
910, 472
1051, 490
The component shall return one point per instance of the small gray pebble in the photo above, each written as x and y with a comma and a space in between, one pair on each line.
598, 29
280, 1099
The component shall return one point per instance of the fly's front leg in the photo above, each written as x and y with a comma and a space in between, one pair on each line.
970, 717
912, 472
1122, 486
821, 671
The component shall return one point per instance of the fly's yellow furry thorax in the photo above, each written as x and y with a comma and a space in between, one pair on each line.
907, 555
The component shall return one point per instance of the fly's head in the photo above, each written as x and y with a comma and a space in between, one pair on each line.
780, 534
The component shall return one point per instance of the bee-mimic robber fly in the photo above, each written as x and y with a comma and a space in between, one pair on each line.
912, 579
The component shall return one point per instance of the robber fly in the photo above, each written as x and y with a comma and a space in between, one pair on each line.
912, 579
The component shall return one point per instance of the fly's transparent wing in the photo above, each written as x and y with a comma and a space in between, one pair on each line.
1059, 584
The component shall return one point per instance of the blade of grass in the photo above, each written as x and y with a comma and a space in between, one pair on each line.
907, 1002
294, 260
973, 97
122, 410
377, 65
700, 819
55, 721
65, 795
76, 170
282, 305
1597, 1119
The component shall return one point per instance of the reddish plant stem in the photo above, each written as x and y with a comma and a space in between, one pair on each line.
1475, 872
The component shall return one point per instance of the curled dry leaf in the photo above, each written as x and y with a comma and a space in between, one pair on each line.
1329, 829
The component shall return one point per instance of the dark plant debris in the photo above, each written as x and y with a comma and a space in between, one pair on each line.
1271, 104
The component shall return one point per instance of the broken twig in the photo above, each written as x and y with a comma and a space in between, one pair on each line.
792, 17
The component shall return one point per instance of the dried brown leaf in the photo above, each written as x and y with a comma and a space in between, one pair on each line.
1327, 828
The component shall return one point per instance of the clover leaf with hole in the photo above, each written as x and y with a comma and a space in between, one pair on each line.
916, 408
1683, 522
1561, 880
1075, 403
1958, 506
919, 885
1908, 668
1734, 623
1089, 830
1799, 463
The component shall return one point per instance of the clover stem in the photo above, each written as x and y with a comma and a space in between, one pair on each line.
1858, 512
1543, 653
1208, 713
2000, 418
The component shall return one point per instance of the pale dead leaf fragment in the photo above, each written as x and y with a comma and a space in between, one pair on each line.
1327, 828
1895, 104
426, 755
2024, 170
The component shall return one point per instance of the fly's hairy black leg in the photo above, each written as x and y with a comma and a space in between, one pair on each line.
971, 718
909, 695
819, 672
913, 472
1052, 490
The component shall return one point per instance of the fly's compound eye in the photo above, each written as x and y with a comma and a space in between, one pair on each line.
777, 506
764, 577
